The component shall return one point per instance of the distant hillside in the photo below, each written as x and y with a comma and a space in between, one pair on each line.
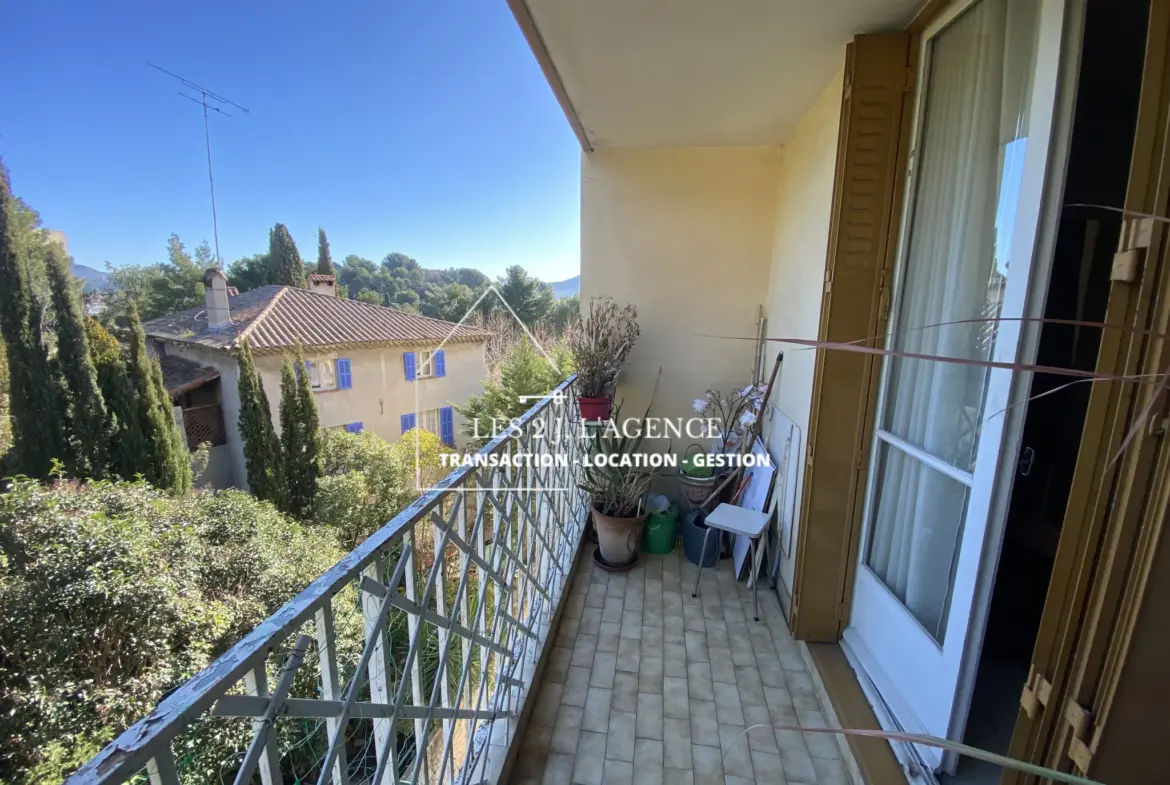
568, 287
95, 280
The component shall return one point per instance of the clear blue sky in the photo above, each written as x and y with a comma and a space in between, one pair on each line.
420, 126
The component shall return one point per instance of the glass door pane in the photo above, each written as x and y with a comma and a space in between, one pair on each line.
968, 161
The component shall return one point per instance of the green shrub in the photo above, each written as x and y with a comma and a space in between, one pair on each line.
113, 593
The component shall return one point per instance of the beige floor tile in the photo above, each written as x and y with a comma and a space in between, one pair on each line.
693, 620
604, 666
679, 777
548, 703
629, 651
751, 689
830, 772
534, 752
699, 680
620, 745
625, 691
590, 765
672, 628
777, 698
612, 610
729, 780
574, 605
768, 768
771, 674
722, 669
576, 686
618, 772
674, 660
650, 674
761, 736
708, 763
583, 650
635, 599
676, 743
741, 650
789, 653
717, 634
558, 665
675, 698
733, 743
595, 597
648, 752
704, 723
607, 636
617, 586
567, 632
567, 730
728, 704
696, 643
558, 770
590, 621
798, 764
597, 708
649, 723
632, 624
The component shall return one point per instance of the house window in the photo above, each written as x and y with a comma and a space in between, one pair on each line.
429, 420
323, 374
426, 365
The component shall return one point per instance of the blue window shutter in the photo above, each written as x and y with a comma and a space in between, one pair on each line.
447, 425
354, 427
308, 371
407, 422
344, 378
408, 362
439, 360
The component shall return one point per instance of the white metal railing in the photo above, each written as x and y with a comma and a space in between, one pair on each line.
357, 678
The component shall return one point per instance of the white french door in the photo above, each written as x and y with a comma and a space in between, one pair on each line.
981, 132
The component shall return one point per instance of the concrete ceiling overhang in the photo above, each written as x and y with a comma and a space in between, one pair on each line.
678, 73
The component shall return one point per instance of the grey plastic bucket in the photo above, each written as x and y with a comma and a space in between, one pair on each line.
694, 530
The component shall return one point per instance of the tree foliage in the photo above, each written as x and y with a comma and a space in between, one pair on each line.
126, 447
366, 480
262, 455
300, 437
524, 372
284, 259
166, 465
161, 288
250, 272
324, 260
36, 396
530, 298
114, 593
86, 408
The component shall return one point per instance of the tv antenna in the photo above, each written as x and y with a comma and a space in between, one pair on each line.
219, 104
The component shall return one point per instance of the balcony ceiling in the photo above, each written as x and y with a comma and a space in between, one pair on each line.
674, 73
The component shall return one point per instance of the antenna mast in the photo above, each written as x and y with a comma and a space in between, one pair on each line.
204, 95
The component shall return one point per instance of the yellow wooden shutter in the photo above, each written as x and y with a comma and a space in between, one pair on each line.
871, 159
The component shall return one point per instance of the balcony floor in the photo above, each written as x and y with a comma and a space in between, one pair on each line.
647, 685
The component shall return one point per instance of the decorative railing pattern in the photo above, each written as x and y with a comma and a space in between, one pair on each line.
407, 661
204, 424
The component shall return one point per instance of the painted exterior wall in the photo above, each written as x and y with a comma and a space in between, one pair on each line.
803, 206
685, 235
379, 396
229, 393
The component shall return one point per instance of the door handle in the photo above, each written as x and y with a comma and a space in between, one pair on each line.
1027, 460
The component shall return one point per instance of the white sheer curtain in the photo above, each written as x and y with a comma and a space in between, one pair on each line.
968, 160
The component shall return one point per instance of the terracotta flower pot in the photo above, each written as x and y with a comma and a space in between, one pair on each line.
618, 538
595, 408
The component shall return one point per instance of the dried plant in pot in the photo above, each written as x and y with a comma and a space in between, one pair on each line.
618, 491
600, 344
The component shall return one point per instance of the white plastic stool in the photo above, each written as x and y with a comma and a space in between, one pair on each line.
736, 520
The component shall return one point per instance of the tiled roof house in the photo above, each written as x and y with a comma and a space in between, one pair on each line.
373, 368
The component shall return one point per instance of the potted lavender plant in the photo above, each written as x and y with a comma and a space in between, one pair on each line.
600, 345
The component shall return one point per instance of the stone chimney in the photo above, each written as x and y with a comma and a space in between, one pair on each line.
215, 294
323, 284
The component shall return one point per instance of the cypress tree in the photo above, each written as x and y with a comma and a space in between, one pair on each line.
87, 408
285, 259
300, 436
36, 408
324, 260
166, 465
261, 447
126, 447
